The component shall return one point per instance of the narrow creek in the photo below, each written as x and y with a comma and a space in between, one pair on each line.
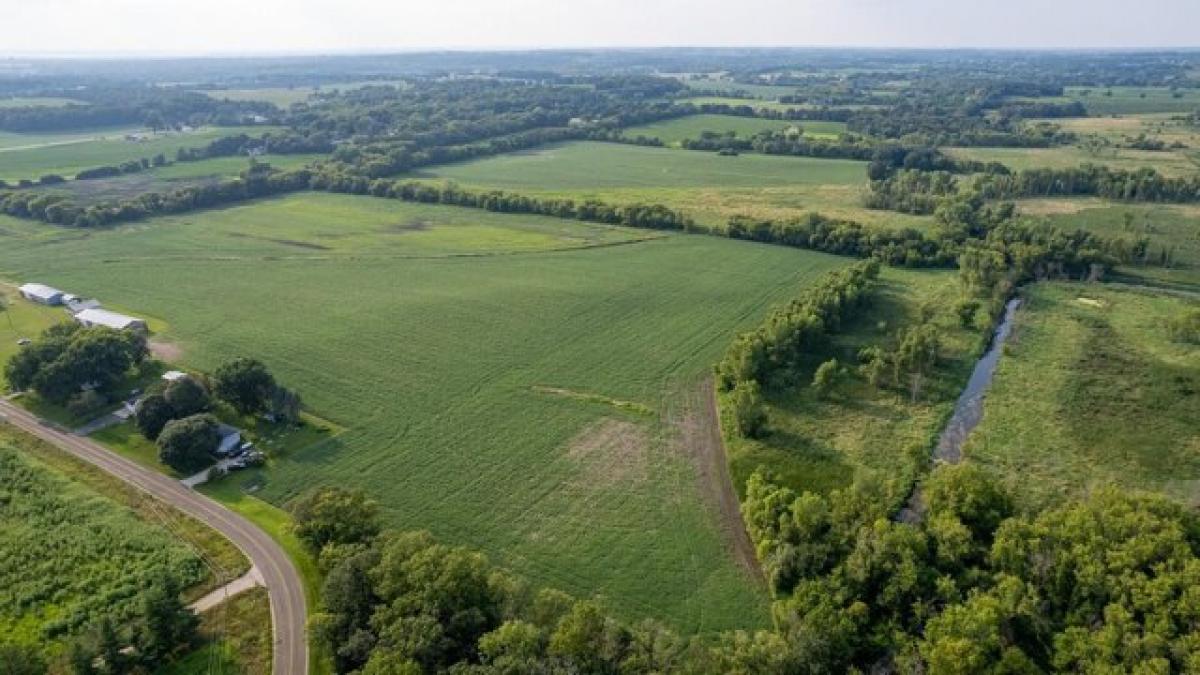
968, 410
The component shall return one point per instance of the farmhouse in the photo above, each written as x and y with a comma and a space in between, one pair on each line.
103, 317
42, 293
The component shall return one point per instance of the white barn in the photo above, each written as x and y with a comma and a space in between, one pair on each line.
46, 295
103, 317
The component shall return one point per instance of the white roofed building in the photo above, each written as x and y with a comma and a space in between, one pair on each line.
103, 317
47, 295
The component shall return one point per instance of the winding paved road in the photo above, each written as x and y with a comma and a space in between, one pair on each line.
288, 613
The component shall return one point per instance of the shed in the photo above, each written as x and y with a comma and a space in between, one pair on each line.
103, 317
47, 295
172, 375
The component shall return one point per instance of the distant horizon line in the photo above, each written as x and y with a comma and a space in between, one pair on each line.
398, 51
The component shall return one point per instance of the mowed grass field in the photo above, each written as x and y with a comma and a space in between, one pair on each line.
33, 155
1091, 390
21, 319
709, 187
523, 401
675, 131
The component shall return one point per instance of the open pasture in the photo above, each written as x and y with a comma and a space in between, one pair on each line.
170, 177
1133, 100
285, 97
525, 402
675, 131
1092, 390
709, 187
1168, 162
33, 155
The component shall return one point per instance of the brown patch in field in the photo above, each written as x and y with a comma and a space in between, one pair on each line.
694, 419
162, 350
1055, 207
414, 225
611, 452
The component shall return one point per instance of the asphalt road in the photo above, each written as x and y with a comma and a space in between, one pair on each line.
288, 613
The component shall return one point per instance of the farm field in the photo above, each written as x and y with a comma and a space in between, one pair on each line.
820, 444
284, 97
79, 544
320, 226
1170, 163
763, 91
37, 102
486, 397
1132, 100
33, 155
170, 177
675, 131
709, 187
1091, 389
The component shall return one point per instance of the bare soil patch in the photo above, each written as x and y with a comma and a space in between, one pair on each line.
694, 417
612, 452
162, 350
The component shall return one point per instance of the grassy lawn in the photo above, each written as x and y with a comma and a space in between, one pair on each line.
821, 444
1091, 390
22, 320
32, 155
709, 187
675, 131
114, 535
444, 371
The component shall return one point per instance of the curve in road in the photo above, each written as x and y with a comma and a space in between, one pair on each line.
284, 587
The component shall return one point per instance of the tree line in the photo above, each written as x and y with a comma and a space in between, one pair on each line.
1135, 185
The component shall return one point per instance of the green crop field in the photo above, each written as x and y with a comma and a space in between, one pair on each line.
170, 177
1091, 390
37, 102
824, 443
709, 187
33, 155
71, 554
675, 131
504, 381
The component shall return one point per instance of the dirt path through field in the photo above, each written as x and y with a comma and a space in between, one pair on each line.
700, 438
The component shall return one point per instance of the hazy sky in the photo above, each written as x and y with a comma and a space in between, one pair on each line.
241, 26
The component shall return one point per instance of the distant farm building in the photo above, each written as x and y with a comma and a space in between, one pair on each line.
103, 317
76, 304
172, 375
46, 295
